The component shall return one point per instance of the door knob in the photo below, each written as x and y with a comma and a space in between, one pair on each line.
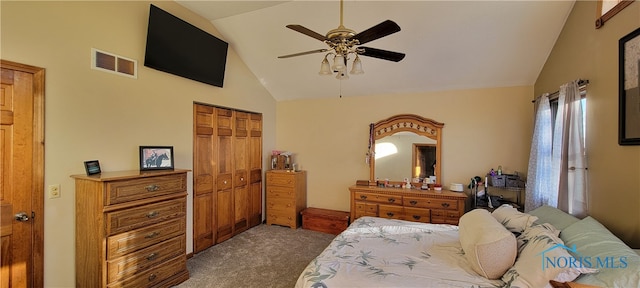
22, 217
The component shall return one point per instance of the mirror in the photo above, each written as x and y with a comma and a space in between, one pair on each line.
405, 146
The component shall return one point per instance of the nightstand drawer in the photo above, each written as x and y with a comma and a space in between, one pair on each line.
136, 189
124, 220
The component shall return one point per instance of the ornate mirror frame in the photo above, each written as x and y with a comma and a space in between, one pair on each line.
409, 123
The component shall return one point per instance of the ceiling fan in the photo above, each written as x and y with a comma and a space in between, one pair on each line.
343, 41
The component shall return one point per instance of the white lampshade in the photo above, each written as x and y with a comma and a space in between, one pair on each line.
357, 66
338, 63
325, 69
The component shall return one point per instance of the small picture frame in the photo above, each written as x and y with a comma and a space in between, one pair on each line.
156, 158
92, 167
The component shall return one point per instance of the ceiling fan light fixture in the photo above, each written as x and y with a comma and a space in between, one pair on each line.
342, 75
356, 68
325, 68
338, 63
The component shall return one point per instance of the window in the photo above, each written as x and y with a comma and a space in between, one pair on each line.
609, 8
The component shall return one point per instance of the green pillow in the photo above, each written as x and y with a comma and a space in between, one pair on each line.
619, 265
553, 216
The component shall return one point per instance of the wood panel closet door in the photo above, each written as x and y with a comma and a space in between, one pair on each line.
240, 179
224, 166
227, 174
255, 169
204, 177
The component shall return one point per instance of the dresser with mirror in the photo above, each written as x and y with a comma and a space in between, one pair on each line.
406, 147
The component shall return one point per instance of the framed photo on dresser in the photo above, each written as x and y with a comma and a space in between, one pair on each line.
156, 158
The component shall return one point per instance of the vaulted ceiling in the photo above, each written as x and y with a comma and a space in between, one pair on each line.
449, 45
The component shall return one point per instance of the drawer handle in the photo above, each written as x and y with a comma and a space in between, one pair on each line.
241, 178
390, 214
413, 202
152, 214
152, 256
417, 217
391, 200
363, 197
445, 204
152, 188
224, 182
152, 277
152, 235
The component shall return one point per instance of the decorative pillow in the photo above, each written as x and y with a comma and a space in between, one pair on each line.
490, 248
512, 219
555, 216
619, 265
543, 257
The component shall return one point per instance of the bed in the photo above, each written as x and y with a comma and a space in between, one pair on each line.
378, 252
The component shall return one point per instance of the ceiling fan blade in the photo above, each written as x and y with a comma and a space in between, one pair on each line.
385, 28
304, 53
382, 54
307, 31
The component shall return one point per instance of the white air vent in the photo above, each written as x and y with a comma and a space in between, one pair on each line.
109, 62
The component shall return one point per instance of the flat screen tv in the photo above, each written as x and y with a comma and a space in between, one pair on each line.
177, 47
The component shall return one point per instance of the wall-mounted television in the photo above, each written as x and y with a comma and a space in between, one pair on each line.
177, 47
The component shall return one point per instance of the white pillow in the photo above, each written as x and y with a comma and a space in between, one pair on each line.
512, 219
532, 268
490, 248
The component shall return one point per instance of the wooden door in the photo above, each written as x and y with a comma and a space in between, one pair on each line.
255, 169
224, 177
241, 175
204, 175
21, 171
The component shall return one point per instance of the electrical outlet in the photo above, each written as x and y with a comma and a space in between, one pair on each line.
54, 191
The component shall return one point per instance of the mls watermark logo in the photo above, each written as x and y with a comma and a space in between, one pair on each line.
579, 261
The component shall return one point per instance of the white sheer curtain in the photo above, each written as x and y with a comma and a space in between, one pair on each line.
557, 163
569, 157
540, 189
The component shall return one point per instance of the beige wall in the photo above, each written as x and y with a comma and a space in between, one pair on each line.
614, 171
483, 128
97, 115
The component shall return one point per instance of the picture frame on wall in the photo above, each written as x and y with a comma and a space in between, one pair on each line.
92, 167
629, 89
156, 158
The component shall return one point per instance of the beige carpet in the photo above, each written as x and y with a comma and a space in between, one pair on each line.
263, 256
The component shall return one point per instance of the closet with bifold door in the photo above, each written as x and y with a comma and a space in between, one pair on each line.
227, 173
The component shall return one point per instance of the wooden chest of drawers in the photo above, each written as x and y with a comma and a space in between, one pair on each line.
286, 196
444, 207
130, 229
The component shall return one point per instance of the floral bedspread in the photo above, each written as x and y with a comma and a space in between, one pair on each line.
377, 252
